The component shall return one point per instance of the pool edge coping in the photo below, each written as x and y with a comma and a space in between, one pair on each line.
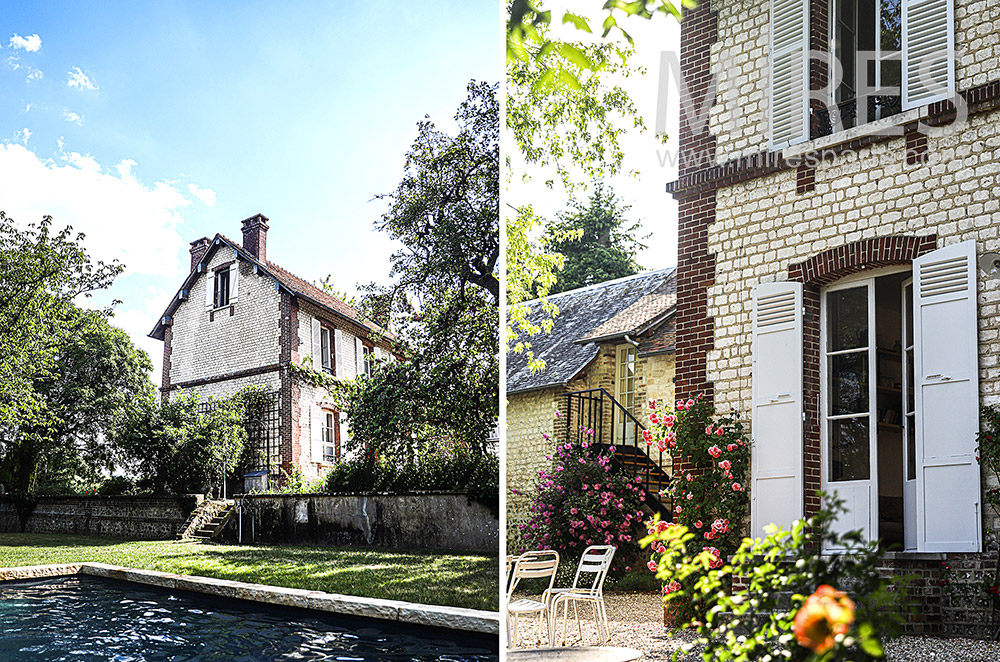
453, 618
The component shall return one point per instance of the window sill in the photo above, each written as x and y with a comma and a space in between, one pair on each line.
891, 126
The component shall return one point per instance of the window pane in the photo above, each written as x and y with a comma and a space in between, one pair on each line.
849, 449
324, 335
848, 383
909, 380
847, 319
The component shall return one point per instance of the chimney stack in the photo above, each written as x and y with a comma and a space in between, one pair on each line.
198, 249
255, 236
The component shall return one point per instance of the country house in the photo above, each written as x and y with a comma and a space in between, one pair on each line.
610, 350
239, 319
834, 208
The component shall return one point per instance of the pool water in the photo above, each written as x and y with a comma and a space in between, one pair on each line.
86, 618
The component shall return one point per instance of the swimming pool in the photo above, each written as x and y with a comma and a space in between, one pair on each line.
80, 617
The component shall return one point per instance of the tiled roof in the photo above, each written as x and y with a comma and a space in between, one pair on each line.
638, 316
581, 313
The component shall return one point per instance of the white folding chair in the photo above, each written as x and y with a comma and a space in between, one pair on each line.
595, 562
531, 565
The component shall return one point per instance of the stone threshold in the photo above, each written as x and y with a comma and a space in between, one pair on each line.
453, 618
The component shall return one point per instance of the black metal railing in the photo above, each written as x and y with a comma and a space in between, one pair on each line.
846, 112
595, 416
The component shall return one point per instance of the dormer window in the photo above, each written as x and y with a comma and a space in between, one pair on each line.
221, 290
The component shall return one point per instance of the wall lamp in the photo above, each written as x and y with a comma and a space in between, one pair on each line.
990, 264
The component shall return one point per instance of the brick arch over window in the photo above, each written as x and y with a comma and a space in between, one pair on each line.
819, 270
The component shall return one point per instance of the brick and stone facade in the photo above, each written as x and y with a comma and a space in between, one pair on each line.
269, 326
823, 210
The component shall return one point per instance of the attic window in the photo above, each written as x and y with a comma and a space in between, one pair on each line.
221, 289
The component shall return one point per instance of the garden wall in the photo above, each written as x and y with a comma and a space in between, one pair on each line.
425, 521
148, 518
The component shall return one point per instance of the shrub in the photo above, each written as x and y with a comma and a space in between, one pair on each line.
581, 502
797, 605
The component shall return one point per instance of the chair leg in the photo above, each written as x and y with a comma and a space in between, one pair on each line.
604, 620
579, 625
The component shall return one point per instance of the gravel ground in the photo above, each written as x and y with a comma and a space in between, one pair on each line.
637, 622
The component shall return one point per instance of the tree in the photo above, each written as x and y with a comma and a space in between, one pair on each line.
95, 378
445, 213
41, 274
596, 240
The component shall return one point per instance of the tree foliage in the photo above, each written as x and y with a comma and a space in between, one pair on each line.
596, 240
95, 377
176, 447
445, 213
41, 274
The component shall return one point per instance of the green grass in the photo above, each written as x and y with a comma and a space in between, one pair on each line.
459, 580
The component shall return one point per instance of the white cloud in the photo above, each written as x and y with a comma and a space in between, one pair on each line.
22, 135
30, 43
79, 79
72, 117
206, 195
123, 218
34, 74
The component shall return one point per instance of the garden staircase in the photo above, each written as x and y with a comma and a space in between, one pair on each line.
207, 520
595, 416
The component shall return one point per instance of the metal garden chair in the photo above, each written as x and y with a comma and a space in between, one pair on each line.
595, 563
531, 565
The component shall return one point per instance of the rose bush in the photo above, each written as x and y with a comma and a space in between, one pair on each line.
711, 459
579, 502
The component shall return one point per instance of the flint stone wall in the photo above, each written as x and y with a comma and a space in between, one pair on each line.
147, 518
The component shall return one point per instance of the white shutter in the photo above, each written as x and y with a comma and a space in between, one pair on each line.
928, 51
947, 399
340, 369
317, 344
316, 434
209, 279
776, 489
359, 355
789, 72
344, 432
234, 281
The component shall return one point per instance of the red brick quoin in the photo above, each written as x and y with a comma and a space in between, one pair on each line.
817, 271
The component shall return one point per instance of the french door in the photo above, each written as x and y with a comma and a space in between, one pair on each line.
625, 359
909, 424
850, 447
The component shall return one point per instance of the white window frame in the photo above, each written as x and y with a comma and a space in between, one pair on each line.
330, 455
326, 351
863, 279
369, 356
217, 278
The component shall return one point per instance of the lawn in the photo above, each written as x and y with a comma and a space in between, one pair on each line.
460, 580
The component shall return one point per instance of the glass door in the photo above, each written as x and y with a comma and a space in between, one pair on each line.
625, 394
848, 395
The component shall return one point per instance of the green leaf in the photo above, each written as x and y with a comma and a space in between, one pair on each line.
579, 22
576, 56
609, 24
869, 642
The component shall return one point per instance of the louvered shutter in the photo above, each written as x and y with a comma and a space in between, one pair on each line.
359, 355
928, 51
789, 72
316, 434
234, 281
339, 368
209, 279
777, 461
317, 344
947, 399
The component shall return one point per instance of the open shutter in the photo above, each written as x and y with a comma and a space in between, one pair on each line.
339, 369
317, 344
209, 279
234, 281
789, 72
777, 461
316, 434
928, 51
947, 399
359, 355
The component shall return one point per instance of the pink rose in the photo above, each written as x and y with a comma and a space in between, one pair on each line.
698, 524
677, 509
725, 465
737, 487
715, 451
661, 445
689, 478
689, 496
708, 429
731, 447
680, 404
652, 404
653, 418
652, 565
719, 432
647, 436
690, 403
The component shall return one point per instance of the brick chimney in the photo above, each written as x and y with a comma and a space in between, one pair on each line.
255, 236
198, 249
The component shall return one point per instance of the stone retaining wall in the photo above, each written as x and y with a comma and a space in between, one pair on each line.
426, 521
149, 518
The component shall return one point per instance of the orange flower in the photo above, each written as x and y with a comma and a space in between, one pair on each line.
825, 614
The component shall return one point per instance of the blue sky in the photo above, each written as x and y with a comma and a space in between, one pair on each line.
149, 125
